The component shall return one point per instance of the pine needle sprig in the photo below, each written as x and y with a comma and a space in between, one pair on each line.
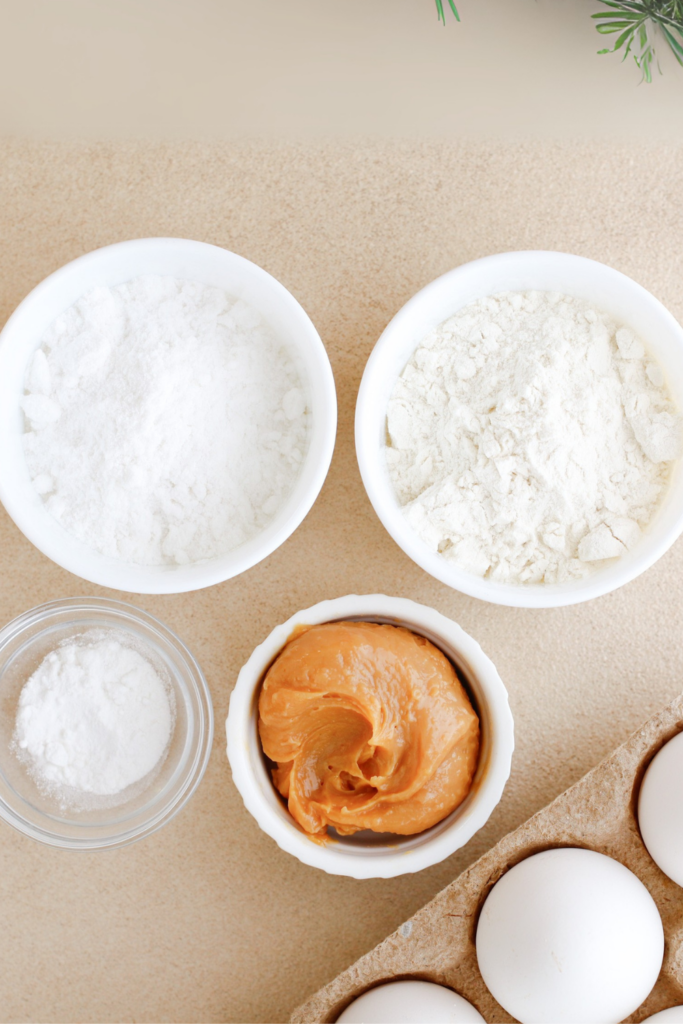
440, 11
636, 23
636, 26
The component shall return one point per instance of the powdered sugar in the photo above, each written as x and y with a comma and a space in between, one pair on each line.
530, 438
95, 717
166, 421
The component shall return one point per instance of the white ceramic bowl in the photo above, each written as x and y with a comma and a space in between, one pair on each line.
197, 261
367, 854
609, 290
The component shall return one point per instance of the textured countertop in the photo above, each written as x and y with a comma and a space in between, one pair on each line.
208, 920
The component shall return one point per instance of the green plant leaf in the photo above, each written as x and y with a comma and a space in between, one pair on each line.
440, 13
611, 28
627, 35
454, 9
615, 26
626, 19
673, 43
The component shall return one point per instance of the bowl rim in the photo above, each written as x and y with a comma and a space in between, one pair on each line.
383, 500
117, 574
197, 765
241, 736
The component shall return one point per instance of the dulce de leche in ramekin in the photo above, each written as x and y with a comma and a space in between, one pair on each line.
360, 851
370, 728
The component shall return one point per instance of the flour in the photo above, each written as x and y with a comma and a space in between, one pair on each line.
166, 423
94, 717
530, 438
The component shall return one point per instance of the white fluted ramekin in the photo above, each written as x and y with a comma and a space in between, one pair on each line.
367, 854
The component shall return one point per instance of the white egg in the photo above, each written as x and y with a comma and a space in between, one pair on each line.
660, 809
410, 1002
570, 936
674, 1015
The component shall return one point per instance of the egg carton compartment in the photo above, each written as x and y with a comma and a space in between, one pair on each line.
597, 813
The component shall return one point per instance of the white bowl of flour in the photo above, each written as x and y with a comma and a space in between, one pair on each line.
167, 415
518, 429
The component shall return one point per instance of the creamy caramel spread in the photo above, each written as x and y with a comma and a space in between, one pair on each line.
370, 728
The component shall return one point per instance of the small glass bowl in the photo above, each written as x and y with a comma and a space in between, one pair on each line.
102, 823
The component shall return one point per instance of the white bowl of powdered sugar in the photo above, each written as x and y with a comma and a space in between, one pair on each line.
167, 415
518, 429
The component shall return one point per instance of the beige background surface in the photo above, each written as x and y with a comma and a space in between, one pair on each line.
208, 920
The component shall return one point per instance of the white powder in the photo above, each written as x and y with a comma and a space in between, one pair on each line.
166, 421
530, 438
94, 717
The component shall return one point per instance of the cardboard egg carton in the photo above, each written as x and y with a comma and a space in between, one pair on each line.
598, 813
